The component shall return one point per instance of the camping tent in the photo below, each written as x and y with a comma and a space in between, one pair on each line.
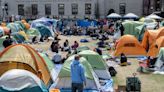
33, 32
155, 47
14, 27
153, 16
160, 61
130, 28
64, 80
50, 66
147, 20
24, 57
129, 45
97, 63
44, 31
150, 37
81, 48
2, 33
17, 80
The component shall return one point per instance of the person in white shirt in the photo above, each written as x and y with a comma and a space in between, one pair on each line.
57, 58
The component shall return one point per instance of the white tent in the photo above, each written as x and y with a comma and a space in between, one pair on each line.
114, 15
130, 15
153, 16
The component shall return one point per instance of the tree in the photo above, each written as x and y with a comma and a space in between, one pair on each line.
111, 11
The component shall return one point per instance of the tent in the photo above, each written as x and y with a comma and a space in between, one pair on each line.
64, 80
97, 63
21, 24
114, 15
24, 57
18, 37
6, 30
155, 47
44, 31
129, 45
81, 48
86, 23
33, 32
131, 15
50, 66
150, 37
14, 27
159, 65
17, 80
130, 28
147, 20
2, 33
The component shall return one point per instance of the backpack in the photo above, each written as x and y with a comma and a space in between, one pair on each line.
112, 71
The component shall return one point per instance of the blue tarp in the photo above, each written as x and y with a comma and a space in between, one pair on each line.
86, 23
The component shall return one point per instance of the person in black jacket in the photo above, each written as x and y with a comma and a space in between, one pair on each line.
7, 42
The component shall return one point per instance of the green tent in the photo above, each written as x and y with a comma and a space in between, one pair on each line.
130, 27
17, 80
98, 64
81, 48
64, 80
14, 27
141, 30
159, 65
94, 59
44, 31
21, 24
19, 38
33, 32
48, 62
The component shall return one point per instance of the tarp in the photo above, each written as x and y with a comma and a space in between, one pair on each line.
159, 65
86, 23
129, 45
64, 80
17, 80
24, 57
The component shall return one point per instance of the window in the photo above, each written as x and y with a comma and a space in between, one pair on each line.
122, 8
48, 9
87, 8
34, 9
61, 9
20, 9
74, 9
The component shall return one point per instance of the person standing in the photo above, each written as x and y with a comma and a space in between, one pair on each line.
77, 75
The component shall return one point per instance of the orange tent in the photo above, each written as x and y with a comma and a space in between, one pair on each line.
24, 57
155, 47
129, 45
27, 25
150, 37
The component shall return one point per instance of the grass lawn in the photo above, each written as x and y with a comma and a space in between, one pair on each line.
149, 82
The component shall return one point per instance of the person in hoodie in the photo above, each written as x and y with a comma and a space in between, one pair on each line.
77, 75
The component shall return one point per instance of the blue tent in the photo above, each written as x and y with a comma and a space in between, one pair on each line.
44, 30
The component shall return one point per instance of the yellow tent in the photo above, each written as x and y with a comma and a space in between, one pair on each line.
129, 45
24, 57
155, 47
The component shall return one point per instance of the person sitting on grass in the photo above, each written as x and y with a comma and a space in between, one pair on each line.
57, 58
75, 45
123, 60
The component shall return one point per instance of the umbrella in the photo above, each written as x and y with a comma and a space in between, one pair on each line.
114, 15
130, 15
153, 16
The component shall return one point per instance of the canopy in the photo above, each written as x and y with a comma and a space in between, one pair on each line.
114, 15
22, 56
153, 16
130, 15
17, 80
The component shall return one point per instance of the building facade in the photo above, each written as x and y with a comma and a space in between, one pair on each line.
75, 8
